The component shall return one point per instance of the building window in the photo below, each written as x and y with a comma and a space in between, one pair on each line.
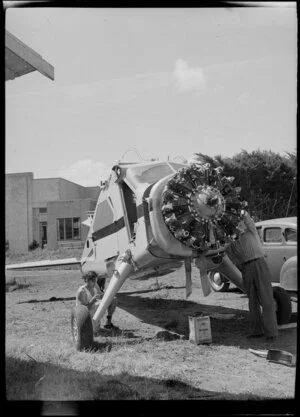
68, 228
43, 209
43, 233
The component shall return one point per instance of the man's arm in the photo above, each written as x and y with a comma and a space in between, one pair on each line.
81, 297
249, 223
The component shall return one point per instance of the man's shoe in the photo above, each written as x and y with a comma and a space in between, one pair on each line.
110, 326
254, 335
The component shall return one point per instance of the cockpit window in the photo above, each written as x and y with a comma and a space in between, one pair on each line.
104, 216
130, 210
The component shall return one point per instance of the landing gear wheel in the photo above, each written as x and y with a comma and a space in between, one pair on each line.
283, 305
82, 328
218, 282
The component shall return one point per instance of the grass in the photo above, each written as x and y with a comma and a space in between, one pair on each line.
13, 284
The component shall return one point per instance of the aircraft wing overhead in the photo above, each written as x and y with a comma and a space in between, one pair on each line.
37, 264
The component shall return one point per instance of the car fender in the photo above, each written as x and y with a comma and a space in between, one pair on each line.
288, 274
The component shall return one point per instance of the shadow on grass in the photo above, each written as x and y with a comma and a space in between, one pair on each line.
40, 381
173, 315
49, 300
109, 338
234, 290
154, 288
106, 345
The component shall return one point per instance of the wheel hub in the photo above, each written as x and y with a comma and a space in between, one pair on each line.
217, 279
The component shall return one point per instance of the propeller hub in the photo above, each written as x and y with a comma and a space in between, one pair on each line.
206, 203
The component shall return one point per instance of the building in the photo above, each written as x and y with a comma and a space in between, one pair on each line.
21, 60
49, 211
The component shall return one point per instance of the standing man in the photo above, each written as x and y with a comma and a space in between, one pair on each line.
89, 295
248, 251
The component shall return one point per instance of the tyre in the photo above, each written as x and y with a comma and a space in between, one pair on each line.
283, 305
82, 328
218, 282
289, 274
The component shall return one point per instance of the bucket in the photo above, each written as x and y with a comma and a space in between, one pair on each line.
200, 330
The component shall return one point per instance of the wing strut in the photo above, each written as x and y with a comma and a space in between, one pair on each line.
125, 267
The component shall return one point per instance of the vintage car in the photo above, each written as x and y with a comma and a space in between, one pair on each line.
279, 240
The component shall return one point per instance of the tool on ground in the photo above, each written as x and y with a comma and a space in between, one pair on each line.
275, 355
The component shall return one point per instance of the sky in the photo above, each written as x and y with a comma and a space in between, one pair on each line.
137, 83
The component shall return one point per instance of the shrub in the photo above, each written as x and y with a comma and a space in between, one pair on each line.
33, 245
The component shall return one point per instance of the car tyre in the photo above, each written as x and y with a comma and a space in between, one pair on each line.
283, 304
218, 282
82, 328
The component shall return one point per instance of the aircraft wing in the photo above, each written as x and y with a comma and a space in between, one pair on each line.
38, 264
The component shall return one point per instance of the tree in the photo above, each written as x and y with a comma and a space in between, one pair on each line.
267, 179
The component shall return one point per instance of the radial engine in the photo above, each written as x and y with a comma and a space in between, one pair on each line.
202, 208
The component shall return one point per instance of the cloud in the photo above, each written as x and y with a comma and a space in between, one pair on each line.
85, 172
188, 79
244, 97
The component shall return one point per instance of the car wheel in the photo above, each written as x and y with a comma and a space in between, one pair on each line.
283, 305
288, 274
218, 282
82, 328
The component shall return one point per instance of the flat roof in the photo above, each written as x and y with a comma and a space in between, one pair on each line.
21, 60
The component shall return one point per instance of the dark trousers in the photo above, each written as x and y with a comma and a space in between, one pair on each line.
257, 283
112, 307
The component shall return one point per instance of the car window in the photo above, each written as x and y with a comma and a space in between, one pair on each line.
272, 235
259, 231
290, 235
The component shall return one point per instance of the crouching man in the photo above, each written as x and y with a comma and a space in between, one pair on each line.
89, 294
